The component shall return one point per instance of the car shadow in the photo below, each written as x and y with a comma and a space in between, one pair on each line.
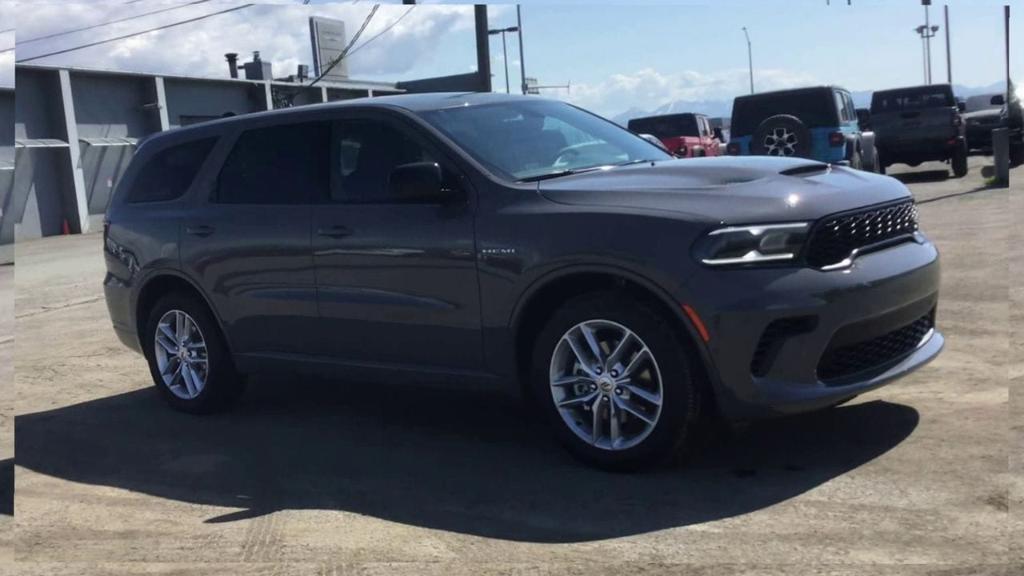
923, 177
471, 462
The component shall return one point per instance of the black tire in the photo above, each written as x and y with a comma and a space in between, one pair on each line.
875, 164
959, 161
772, 129
1017, 154
681, 390
223, 383
856, 162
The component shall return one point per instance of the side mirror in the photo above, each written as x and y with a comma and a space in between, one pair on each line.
998, 100
961, 106
717, 131
418, 183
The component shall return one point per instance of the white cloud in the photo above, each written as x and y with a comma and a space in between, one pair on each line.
279, 32
647, 88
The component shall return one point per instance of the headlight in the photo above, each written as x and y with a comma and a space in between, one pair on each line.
753, 244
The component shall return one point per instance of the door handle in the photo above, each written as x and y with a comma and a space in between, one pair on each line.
201, 230
334, 231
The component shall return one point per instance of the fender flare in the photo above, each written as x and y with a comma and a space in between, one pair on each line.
158, 273
515, 320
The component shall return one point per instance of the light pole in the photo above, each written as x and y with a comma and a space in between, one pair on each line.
522, 60
927, 33
504, 49
750, 59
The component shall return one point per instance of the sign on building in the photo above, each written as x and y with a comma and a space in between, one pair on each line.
328, 37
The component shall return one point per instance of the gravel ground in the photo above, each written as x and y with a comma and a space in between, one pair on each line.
910, 479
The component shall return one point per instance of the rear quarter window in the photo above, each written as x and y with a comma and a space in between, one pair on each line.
168, 173
815, 108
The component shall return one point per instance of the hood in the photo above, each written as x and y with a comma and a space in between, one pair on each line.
729, 189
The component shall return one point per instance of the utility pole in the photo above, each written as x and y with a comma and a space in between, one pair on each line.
949, 58
750, 59
522, 61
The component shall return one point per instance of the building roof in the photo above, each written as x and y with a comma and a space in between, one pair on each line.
347, 84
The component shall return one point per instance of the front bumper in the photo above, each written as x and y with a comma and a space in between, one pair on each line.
895, 286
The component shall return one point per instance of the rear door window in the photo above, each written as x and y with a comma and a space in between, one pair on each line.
170, 172
285, 164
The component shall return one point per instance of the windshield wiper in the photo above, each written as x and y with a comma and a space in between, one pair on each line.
631, 162
558, 174
561, 173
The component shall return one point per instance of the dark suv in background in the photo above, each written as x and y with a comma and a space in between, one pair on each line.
919, 124
494, 239
818, 123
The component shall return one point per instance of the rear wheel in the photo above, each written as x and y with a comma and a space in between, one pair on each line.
188, 359
959, 161
615, 382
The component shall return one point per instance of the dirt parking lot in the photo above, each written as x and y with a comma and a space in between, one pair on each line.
319, 478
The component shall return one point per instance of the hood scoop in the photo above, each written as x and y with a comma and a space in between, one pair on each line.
816, 168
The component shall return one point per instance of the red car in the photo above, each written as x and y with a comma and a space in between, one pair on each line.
685, 135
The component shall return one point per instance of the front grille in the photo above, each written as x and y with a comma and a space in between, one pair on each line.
772, 339
838, 363
834, 239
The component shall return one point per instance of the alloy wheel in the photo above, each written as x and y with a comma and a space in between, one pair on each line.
606, 384
780, 142
181, 354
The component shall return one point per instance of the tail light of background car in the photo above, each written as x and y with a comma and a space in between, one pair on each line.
836, 139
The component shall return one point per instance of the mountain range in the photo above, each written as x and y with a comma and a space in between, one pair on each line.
717, 108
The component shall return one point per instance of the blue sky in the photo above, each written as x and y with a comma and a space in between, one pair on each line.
617, 56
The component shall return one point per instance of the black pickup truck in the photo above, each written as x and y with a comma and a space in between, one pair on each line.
919, 124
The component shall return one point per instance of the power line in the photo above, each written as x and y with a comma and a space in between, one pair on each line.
108, 23
125, 36
384, 31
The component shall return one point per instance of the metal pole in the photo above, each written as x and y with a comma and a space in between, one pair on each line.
924, 55
949, 58
928, 44
522, 62
504, 52
483, 50
750, 59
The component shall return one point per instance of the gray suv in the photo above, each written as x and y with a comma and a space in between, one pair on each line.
498, 239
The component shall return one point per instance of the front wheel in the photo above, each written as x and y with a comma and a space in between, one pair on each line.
615, 382
188, 359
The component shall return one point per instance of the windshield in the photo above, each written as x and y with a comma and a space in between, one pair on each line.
912, 99
666, 126
532, 139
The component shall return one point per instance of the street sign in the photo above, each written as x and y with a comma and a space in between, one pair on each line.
328, 38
